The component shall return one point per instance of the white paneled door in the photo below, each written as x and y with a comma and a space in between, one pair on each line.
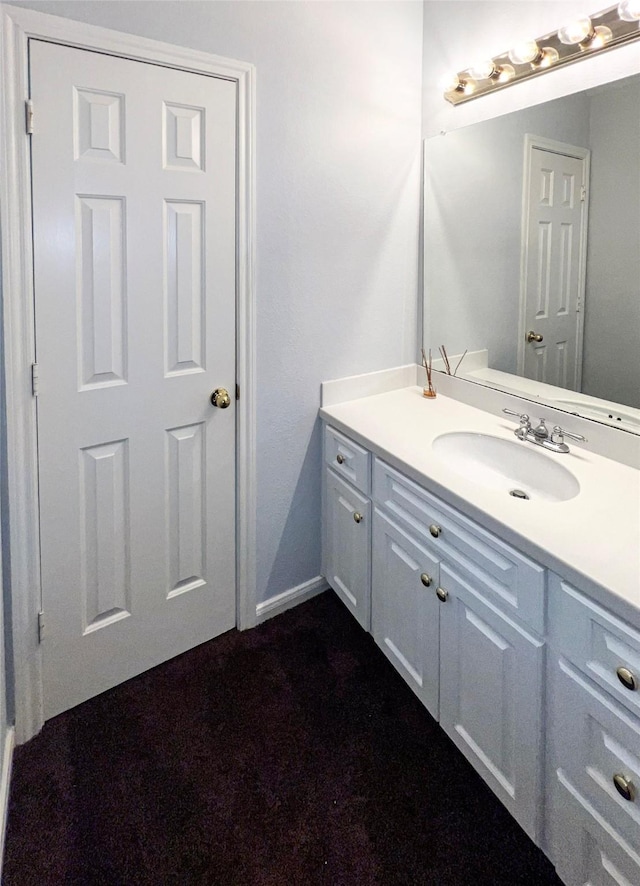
554, 250
134, 204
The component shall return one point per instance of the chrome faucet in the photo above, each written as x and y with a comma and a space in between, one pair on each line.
540, 434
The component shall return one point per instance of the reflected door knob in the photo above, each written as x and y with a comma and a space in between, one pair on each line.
534, 336
220, 398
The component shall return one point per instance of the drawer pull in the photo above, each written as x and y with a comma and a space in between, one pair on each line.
425, 579
627, 678
624, 787
442, 594
358, 517
340, 458
435, 530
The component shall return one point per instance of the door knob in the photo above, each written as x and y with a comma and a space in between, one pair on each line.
220, 398
534, 336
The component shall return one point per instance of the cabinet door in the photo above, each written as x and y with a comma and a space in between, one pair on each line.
404, 606
347, 555
490, 696
586, 850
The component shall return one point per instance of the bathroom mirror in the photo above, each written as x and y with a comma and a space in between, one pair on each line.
532, 252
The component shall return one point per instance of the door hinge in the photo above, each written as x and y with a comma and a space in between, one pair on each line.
40, 626
28, 116
237, 392
35, 379
583, 193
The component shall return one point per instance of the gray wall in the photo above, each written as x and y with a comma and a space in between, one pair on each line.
611, 367
338, 202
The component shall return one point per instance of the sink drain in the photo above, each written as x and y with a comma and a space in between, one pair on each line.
518, 493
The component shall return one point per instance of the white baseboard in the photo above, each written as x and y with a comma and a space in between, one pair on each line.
5, 777
287, 599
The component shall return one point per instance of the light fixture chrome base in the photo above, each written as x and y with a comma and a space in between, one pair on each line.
553, 54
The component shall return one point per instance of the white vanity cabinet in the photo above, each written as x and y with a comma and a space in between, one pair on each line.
535, 676
594, 720
456, 610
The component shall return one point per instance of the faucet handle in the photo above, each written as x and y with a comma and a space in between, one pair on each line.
558, 435
524, 418
525, 423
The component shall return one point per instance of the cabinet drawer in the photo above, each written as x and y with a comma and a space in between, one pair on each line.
598, 643
597, 740
586, 851
347, 459
508, 578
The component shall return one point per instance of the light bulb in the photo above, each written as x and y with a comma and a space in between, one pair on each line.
629, 10
602, 35
577, 31
548, 56
450, 83
469, 86
523, 53
507, 72
483, 70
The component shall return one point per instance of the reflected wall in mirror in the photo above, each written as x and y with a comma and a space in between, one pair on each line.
514, 244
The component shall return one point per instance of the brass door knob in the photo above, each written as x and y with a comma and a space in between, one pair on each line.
425, 579
340, 458
534, 336
435, 530
220, 398
627, 678
624, 787
358, 517
442, 595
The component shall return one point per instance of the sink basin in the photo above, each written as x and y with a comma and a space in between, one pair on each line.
517, 468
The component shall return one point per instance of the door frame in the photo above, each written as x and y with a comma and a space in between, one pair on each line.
19, 470
538, 142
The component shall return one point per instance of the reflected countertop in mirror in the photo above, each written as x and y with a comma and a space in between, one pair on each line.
532, 230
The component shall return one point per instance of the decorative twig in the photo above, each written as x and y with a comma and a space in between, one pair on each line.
459, 362
443, 353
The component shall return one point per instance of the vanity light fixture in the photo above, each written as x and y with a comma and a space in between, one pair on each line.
576, 40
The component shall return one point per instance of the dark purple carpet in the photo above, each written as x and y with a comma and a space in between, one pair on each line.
290, 754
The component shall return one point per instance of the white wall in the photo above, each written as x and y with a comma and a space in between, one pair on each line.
338, 191
612, 320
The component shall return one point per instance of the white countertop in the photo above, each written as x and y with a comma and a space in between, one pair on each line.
592, 539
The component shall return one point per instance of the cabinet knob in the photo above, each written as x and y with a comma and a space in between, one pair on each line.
624, 787
435, 530
358, 517
627, 678
425, 579
340, 458
442, 594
